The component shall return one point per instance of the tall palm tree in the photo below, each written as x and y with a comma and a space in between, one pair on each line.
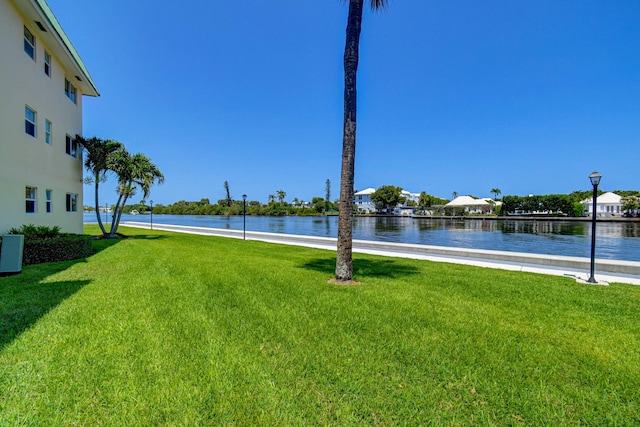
344, 258
226, 188
133, 172
96, 162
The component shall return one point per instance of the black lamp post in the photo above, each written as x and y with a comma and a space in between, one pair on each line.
595, 180
106, 209
151, 201
244, 217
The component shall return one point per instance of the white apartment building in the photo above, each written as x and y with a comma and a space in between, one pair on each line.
42, 81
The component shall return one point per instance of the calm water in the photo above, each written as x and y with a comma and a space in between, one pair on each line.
613, 240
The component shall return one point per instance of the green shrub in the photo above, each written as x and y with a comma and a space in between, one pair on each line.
578, 209
64, 247
48, 244
36, 231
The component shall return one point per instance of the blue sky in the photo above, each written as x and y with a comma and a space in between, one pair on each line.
529, 96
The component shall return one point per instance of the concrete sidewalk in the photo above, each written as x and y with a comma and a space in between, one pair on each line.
575, 267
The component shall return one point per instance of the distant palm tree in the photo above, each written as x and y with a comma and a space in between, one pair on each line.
454, 194
97, 162
496, 192
281, 195
344, 257
226, 188
271, 198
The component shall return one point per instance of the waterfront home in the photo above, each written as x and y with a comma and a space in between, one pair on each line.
363, 201
607, 204
364, 204
43, 81
469, 205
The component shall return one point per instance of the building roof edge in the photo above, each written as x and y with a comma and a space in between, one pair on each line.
55, 25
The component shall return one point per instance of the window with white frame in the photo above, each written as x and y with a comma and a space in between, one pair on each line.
71, 146
29, 121
70, 90
47, 131
30, 199
47, 63
29, 43
72, 202
49, 206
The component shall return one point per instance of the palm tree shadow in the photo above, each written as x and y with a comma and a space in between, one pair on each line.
364, 268
147, 237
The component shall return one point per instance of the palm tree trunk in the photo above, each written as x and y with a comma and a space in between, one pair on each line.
114, 219
104, 232
344, 266
118, 216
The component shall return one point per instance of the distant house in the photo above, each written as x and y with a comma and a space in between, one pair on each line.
364, 204
414, 197
43, 81
607, 204
468, 204
363, 201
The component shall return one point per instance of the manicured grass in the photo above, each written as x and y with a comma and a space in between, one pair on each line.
174, 329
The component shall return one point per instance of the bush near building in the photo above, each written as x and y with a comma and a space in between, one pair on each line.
46, 244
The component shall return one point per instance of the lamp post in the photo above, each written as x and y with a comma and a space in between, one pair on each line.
151, 201
595, 180
244, 217
106, 209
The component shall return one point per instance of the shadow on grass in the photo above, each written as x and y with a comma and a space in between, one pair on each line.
146, 237
101, 244
364, 268
24, 298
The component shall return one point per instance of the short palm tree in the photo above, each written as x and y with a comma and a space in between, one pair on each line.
133, 172
344, 258
96, 162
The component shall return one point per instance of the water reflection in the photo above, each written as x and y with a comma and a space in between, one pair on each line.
614, 240
544, 227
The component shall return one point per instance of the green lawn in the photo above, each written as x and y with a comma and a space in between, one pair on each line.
182, 330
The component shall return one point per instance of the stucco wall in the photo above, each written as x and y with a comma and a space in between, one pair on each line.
25, 160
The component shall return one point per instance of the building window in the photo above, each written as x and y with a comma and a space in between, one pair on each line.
69, 90
71, 146
47, 131
29, 121
30, 197
72, 202
29, 44
47, 63
49, 207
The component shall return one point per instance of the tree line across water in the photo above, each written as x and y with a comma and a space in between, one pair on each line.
385, 197
318, 206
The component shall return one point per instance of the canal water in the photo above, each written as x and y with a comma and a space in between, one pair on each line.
614, 240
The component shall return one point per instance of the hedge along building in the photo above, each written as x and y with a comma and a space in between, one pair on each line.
42, 80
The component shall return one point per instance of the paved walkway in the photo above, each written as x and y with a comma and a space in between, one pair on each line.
575, 267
